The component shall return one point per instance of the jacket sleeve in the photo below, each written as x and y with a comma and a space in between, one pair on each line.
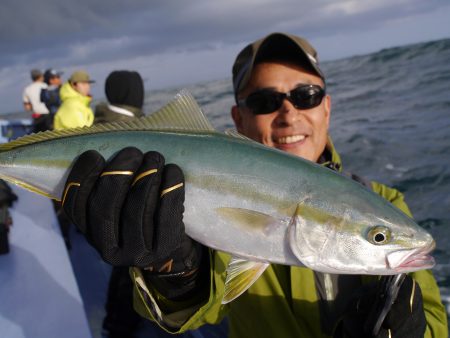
25, 97
179, 317
435, 313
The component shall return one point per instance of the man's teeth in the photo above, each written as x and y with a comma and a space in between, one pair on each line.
290, 139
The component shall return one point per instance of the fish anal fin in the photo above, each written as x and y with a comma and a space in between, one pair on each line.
241, 274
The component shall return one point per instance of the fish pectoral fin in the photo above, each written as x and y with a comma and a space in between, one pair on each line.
241, 274
247, 218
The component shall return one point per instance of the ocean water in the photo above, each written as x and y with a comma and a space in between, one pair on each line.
390, 122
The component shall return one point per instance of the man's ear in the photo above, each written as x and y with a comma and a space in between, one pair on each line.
328, 109
237, 118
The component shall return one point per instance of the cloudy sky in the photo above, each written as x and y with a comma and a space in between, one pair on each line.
181, 42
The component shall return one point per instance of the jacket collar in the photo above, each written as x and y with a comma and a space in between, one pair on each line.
330, 158
68, 92
133, 110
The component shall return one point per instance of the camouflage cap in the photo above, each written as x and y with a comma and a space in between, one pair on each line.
275, 46
80, 76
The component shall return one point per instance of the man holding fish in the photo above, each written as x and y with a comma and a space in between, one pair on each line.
337, 234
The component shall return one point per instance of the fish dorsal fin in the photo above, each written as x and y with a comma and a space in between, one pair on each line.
241, 274
182, 113
234, 133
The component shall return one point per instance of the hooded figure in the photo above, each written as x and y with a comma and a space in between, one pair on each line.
125, 92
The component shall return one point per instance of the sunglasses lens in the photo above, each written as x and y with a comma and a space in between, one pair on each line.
264, 102
307, 97
268, 101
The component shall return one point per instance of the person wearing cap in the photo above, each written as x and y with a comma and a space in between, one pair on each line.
50, 95
32, 101
282, 102
75, 96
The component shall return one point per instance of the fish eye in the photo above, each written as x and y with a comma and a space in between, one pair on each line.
379, 235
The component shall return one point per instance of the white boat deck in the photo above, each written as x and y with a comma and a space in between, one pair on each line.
39, 295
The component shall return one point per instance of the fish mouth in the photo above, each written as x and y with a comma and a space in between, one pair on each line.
412, 260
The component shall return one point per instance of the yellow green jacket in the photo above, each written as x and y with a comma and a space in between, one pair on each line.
74, 111
283, 302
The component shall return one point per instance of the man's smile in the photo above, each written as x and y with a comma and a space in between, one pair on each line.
288, 139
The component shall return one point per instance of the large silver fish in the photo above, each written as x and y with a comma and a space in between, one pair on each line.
259, 204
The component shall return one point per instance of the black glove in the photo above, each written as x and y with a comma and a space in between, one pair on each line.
406, 318
131, 210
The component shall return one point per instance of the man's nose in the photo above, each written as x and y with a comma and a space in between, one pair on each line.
287, 114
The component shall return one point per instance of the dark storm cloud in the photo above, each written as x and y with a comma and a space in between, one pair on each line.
111, 29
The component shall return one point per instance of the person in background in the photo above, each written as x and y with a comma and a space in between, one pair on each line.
50, 95
75, 96
32, 101
7, 198
73, 112
125, 93
282, 102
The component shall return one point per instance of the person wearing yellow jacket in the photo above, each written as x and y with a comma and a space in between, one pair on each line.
281, 101
75, 96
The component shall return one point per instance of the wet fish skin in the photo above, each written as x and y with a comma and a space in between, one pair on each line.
252, 201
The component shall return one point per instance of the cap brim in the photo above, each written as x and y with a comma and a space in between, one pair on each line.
75, 81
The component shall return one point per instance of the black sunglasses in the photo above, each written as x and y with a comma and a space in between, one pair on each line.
267, 101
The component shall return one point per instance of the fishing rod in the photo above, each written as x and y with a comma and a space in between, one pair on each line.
388, 289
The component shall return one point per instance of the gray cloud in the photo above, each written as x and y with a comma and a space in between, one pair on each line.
116, 33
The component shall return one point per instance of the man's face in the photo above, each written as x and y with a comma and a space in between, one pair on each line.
301, 132
55, 81
84, 88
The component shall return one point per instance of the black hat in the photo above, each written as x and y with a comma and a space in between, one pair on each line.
125, 87
51, 73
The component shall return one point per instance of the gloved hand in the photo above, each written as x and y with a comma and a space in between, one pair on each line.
406, 318
131, 211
